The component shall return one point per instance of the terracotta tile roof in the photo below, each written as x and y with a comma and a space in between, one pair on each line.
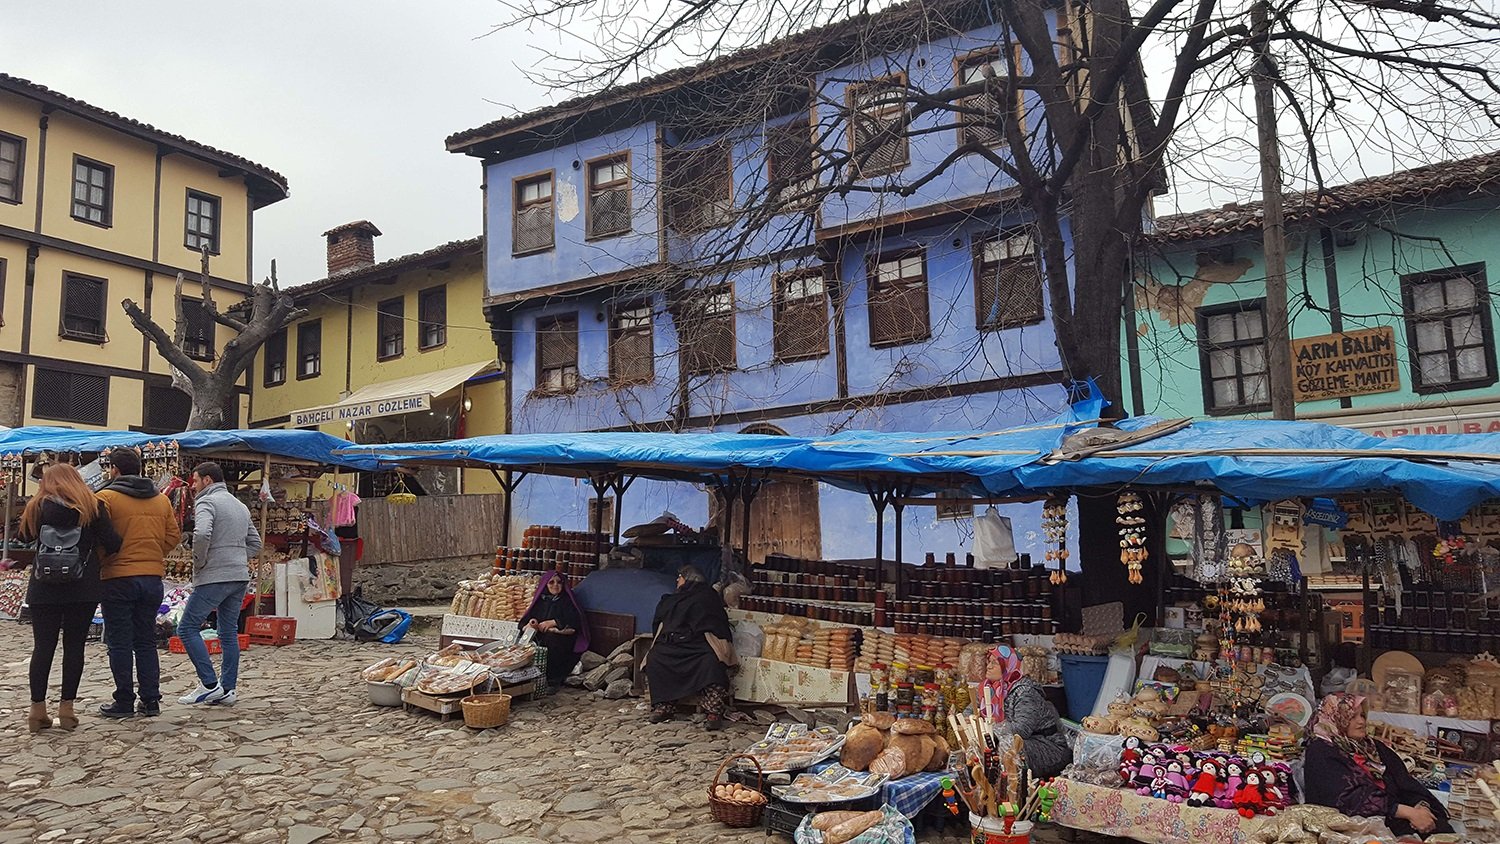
267, 186
897, 21
416, 260
356, 226
1476, 176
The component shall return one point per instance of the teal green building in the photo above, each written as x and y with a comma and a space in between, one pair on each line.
1392, 317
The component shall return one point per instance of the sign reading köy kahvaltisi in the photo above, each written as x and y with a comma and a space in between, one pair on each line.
1350, 363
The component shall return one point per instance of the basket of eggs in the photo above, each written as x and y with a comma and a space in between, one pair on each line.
735, 805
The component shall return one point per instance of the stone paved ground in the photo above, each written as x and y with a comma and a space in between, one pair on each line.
303, 757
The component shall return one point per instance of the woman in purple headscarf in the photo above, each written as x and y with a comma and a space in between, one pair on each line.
560, 625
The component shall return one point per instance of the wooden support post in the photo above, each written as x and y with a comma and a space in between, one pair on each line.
260, 572
1278, 331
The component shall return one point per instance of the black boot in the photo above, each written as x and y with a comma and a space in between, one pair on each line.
115, 709
149, 708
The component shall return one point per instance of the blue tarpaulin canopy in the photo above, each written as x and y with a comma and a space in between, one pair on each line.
1251, 460
309, 446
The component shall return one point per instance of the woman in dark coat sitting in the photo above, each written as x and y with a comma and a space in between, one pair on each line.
691, 653
1361, 777
560, 626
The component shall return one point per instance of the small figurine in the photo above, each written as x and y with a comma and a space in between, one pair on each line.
1206, 785
1046, 799
1151, 773
1130, 759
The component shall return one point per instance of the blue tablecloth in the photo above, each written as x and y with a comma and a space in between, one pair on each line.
908, 795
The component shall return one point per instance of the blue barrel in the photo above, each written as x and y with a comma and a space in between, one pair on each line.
1082, 676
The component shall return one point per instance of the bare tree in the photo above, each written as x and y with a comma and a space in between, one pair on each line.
215, 390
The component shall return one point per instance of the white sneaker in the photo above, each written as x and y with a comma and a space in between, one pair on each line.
228, 699
201, 695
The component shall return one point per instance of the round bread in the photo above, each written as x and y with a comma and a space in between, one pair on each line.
891, 762
880, 720
914, 749
861, 745
913, 727
940, 751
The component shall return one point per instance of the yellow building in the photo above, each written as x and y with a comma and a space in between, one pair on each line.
96, 208
396, 351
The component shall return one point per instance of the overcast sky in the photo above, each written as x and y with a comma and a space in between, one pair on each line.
351, 102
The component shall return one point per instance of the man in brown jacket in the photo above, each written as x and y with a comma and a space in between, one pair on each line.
132, 583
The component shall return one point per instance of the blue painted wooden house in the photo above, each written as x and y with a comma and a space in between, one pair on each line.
644, 274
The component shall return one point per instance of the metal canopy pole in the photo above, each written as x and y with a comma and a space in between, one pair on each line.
880, 498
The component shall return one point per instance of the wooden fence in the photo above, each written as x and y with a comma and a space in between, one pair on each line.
436, 527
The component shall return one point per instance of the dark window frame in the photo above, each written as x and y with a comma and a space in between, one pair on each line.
63, 331
874, 288
215, 219
620, 334
691, 318
78, 419
309, 330
198, 350
17, 185
678, 190
107, 208
277, 342
1475, 273
593, 191
518, 207
775, 154
150, 407
1011, 90
548, 325
427, 322
852, 94
785, 348
390, 323
1206, 348
981, 265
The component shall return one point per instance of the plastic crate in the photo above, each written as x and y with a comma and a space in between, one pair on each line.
782, 817
176, 646
271, 629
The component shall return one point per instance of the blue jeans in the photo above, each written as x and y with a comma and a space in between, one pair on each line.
225, 598
130, 607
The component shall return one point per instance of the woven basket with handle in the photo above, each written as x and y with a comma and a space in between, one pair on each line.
728, 812
487, 710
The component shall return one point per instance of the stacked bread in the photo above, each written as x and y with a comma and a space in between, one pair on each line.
799, 641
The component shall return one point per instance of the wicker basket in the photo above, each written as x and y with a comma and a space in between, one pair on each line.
729, 813
487, 710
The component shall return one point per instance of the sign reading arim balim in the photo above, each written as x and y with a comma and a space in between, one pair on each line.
1351, 363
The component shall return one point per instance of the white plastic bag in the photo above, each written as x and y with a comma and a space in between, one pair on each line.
749, 638
994, 544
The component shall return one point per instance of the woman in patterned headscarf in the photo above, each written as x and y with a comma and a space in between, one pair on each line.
1362, 777
1026, 712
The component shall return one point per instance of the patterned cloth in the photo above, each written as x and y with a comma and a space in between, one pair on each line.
1122, 813
908, 795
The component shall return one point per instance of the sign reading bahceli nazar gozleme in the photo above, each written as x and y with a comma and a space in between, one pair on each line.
1351, 363
360, 410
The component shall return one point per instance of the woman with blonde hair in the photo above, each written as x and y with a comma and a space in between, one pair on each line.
68, 523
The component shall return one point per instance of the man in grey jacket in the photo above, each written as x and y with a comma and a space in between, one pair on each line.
224, 540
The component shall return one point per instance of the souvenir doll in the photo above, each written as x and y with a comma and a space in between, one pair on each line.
1250, 800
1177, 784
1147, 769
1234, 777
1130, 759
1206, 784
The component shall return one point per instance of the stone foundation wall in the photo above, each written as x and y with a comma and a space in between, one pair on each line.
429, 582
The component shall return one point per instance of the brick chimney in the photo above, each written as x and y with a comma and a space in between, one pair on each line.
351, 246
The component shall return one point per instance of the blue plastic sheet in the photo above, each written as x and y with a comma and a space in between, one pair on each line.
300, 445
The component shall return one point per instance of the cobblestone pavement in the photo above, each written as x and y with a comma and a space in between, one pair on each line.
304, 757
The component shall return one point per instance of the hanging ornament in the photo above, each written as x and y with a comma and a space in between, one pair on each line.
1450, 542
1209, 540
1132, 524
1055, 531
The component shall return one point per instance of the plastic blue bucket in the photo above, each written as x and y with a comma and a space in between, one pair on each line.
1082, 678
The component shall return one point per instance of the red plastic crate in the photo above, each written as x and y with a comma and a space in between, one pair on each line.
176, 646
271, 629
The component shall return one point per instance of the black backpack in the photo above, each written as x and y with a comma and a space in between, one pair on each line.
57, 557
